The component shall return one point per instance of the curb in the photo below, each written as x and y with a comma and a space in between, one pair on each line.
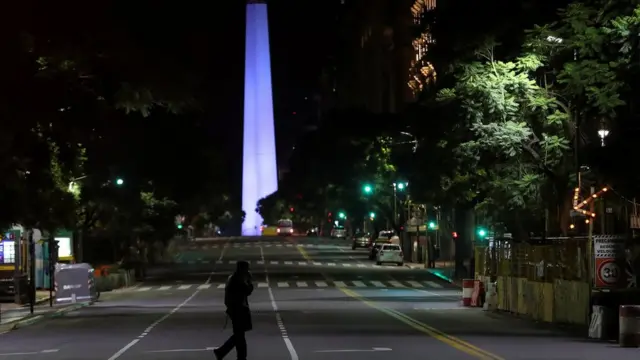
32, 319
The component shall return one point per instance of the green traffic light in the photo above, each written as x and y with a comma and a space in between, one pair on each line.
341, 215
432, 225
119, 181
372, 215
482, 233
179, 226
367, 189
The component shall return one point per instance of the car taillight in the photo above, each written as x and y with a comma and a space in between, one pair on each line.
278, 230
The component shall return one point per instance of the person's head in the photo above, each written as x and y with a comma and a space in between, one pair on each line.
242, 267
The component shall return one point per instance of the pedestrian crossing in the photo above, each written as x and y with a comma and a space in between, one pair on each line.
303, 263
317, 284
259, 244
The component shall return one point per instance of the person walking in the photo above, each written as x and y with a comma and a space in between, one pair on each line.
236, 299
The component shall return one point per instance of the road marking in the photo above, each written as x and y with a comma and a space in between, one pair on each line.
377, 284
283, 330
303, 263
321, 284
359, 284
184, 287
361, 265
263, 285
283, 284
331, 264
340, 284
260, 262
433, 284
288, 262
317, 263
396, 284
146, 331
222, 286
346, 265
274, 263
204, 286
301, 284
232, 261
415, 284
146, 288
452, 341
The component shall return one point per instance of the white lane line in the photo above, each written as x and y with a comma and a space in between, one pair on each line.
274, 305
222, 286
146, 331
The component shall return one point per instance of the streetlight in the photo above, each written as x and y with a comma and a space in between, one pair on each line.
400, 186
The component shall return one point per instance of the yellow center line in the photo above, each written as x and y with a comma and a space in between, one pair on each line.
304, 253
452, 341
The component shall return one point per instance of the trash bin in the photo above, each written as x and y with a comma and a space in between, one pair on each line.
21, 289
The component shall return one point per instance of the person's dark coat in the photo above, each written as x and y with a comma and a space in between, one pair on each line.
237, 291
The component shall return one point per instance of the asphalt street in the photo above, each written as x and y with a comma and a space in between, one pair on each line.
314, 299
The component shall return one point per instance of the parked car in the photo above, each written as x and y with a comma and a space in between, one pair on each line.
376, 247
313, 231
386, 234
361, 240
390, 253
339, 232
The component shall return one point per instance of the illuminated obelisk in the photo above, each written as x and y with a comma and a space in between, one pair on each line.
259, 167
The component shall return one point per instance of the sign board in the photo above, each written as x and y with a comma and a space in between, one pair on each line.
634, 222
609, 261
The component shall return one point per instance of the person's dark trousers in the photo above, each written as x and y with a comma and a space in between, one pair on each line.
237, 340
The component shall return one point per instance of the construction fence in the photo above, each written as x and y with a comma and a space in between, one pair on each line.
544, 280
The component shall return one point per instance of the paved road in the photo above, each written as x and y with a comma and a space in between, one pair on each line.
304, 308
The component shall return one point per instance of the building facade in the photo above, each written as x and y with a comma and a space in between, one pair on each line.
377, 63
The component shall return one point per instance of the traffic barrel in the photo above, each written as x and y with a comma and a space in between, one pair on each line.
629, 330
467, 291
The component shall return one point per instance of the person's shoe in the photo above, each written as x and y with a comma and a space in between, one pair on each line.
217, 354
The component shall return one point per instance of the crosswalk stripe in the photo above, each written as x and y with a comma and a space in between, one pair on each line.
433, 284
339, 284
361, 265
396, 284
144, 289
222, 286
359, 284
263, 285
321, 284
283, 284
346, 265
301, 284
288, 262
184, 287
415, 284
377, 283
317, 263
303, 263
204, 286
274, 263
164, 288
261, 262
331, 264
232, 261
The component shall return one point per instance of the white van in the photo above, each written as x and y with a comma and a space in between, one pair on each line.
285, 227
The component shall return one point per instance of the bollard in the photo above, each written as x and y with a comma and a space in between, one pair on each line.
629, 330
467, 291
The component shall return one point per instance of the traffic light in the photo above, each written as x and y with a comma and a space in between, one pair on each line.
179, 226
401, 186
482, 233
432, 225
119, 181
454, 234
367, 189
342, 215
372, 215
291, 209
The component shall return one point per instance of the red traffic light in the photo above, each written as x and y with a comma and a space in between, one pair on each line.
455, 235
291, 209
329, 215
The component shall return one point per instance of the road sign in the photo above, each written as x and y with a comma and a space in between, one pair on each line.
608, 273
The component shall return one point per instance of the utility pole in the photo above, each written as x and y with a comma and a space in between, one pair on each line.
32, 272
